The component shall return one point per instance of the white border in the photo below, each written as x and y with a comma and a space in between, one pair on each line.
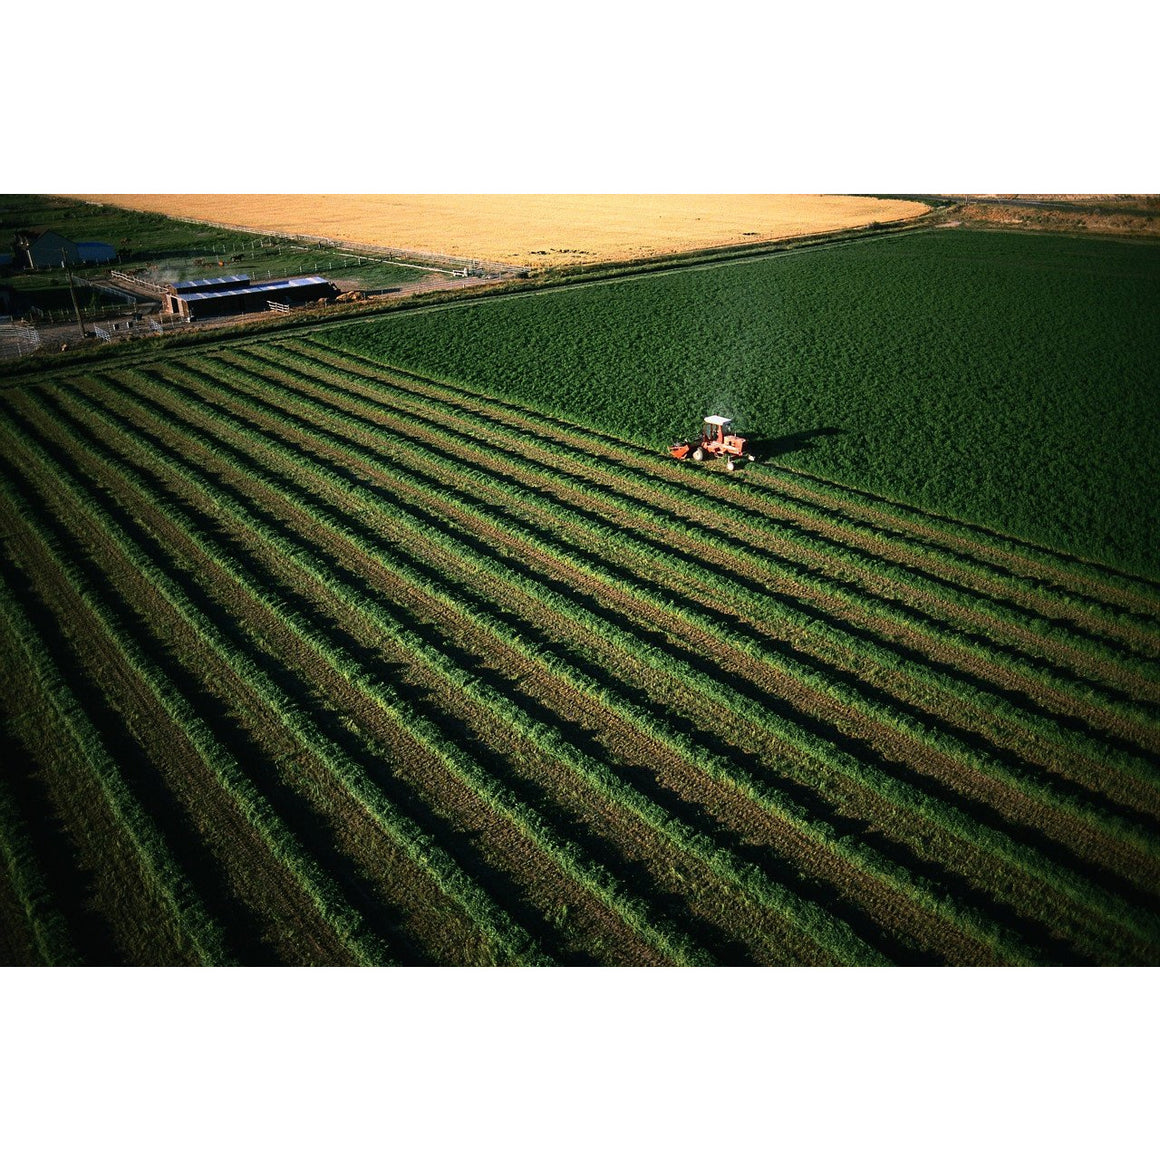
639, 98
909, 1063
625, 97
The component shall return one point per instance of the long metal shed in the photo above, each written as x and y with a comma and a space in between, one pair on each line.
236, 294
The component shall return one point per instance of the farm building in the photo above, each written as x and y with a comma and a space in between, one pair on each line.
179, 291
46, 249
236, 294
96, 252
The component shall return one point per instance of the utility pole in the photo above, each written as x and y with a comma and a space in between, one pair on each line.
72, 292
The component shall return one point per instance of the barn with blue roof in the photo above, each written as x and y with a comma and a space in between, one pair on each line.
47, 250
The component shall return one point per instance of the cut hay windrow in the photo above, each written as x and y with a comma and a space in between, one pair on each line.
893, 716
595, 878
619, 486
1015, 853
323, 892
1078, 888
741, 593
191, 920
1025, 565
397, 563
50, 933
510, 942
829, 932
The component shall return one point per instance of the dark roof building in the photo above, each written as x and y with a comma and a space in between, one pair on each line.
96, 253
236, 294
203, 285
46, 250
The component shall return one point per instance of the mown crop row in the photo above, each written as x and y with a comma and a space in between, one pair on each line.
738, 520
546, 737
18, 858
674, 666
507, 939
764, 607
187, 911
464, 765
550, 738
521, 626
316, 469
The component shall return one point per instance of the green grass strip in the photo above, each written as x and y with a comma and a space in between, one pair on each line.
366, 948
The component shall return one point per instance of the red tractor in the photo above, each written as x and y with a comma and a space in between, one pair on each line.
715, 439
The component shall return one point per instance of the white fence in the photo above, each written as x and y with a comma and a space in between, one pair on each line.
16, 341
152, 289
121, 296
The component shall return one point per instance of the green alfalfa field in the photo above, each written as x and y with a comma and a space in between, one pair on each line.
404, 642
1011, 380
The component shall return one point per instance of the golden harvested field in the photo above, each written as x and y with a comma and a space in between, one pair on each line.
531, 229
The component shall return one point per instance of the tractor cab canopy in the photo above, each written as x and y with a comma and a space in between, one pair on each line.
713, 422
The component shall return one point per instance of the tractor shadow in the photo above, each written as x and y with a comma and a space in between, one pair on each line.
766, 447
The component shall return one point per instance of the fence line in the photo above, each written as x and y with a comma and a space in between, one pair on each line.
17, 340
117, 310
123, 296
153, 287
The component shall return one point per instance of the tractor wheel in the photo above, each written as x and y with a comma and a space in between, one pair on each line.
730, 465
699, 454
